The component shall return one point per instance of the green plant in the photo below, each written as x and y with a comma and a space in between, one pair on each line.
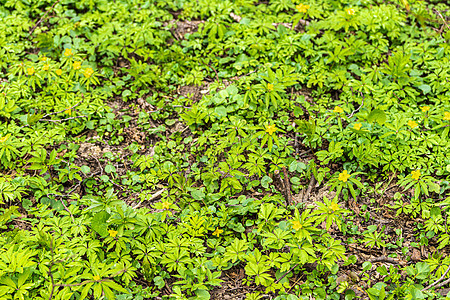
160, 149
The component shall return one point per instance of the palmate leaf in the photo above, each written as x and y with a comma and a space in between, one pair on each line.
236, 251
259, 271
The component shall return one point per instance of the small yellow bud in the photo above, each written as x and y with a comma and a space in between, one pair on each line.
446, 116
297, 225
334, 206
30, 71
68, 52
412, 124
166, 205
270, 129
303, 8
350, 11
217, 232
88, 72
344, 176
338, 109
112, 233
77, 65
415, 174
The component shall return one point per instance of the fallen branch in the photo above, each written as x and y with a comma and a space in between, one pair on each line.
56, 121
356, 110
287, 186
310, 187
442, 18
65, 207
287, 272
42, 18
154, 196
215, 71
435, 284
387, 260
65, 109
360, 248
43, 118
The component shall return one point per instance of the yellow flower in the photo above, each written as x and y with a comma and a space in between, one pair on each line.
415, 174
337, 109
412, 124
357, 126
77, 65
344, 176
166, 205
296, 225
217, 232
334, 206
3, 139
43, 58
88, 72
68, 111
68, 52
96, 277
425, 108
30, 71
112, 233
270, 87
350, 11
46, 67
302, 7
446, 116
58, 72
270, 129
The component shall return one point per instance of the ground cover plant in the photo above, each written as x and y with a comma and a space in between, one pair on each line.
210, 149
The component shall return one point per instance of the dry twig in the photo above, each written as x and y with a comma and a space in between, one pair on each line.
43, 118
42, 18
387, 260
435, 284
356, 110
287, 272
57, 121
154, 196
287, 186
443, 20
310, 187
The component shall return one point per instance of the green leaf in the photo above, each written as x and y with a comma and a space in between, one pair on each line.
98, 223
202, 294
425, 88
377, 115
115, 286
198, 194
221, 111
86, 290
126, 93
159, 282
110, 169
265, 181
85, 169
